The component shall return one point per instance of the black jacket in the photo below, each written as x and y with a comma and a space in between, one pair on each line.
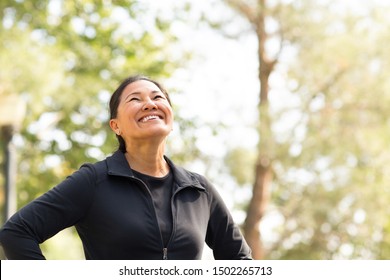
115, 218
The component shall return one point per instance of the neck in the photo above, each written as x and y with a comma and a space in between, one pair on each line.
147, 159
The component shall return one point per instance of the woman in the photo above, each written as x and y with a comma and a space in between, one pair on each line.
135, 204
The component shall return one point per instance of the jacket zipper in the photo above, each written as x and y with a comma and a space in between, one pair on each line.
165, 253
165, 249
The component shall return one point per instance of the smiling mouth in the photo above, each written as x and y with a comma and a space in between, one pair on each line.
150, 117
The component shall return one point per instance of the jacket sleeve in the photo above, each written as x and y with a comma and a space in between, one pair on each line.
59, 208
223, 235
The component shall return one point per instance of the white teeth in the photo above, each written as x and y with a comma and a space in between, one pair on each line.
145, 119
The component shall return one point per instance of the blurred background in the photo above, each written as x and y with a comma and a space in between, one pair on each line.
282, 104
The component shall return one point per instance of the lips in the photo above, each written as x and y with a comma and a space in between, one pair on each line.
150, 117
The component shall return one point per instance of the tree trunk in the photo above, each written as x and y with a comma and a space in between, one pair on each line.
263, 175
257, 206
261, 186
255, 13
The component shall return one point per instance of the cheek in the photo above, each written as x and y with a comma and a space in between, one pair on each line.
166, 108
127, 109
126, 116
171, 115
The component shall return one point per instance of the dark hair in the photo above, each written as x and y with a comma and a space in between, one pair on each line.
116, 97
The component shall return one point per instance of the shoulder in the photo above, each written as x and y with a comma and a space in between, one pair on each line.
95, 167
184, 176
92, 172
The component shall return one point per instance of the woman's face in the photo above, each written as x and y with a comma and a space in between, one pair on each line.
143, 113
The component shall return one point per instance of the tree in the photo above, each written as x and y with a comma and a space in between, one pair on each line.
257, 13
64, 58
78, 52
319, 177
328, 149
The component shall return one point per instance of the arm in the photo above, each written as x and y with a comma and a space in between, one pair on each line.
59, 208
223, 235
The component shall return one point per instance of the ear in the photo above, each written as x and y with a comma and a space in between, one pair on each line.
114, 126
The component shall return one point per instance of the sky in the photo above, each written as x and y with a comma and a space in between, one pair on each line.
220, 83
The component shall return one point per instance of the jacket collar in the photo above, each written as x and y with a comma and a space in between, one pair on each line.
117, 165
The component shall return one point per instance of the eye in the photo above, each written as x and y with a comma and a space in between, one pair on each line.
133, 99
159, 96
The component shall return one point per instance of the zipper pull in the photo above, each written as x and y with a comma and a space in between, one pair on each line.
165, 253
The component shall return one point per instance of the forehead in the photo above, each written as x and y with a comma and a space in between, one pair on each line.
141, 86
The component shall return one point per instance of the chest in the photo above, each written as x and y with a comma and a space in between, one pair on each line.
123, 215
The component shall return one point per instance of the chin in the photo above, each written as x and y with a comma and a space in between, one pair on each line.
158, 133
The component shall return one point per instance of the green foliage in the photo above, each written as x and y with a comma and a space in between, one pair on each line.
331, 130
241, 162
65, 58
341, 162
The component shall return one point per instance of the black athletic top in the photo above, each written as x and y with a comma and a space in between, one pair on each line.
116, 218
161, 191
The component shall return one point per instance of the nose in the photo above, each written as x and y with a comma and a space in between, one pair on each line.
149, 105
